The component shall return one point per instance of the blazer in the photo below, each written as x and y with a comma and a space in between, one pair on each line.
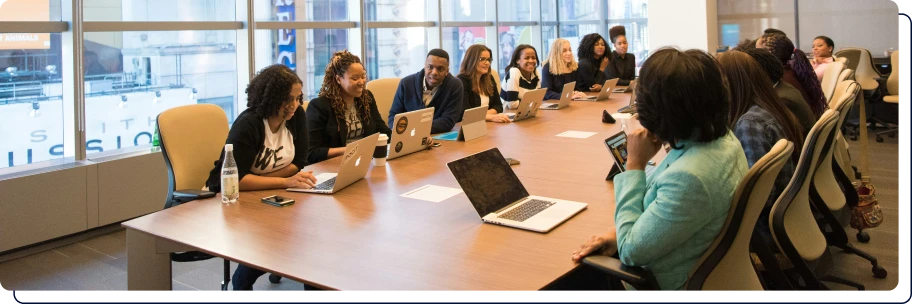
326, 131
667, 221
555, 83
589, 74
471, 99
447, 102
622, 68
247, 135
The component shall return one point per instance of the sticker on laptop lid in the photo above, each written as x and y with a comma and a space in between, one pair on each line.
401, 125
398, 147
426, 117
350, 154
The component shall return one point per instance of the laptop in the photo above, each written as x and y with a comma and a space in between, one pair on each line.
564, 99
605, 92
500, 198
411, 132
629, 88
630, 108
617, 145
355, 162
529, 105
473, 124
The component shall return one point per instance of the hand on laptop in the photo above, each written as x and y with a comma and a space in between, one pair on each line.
302, 179
641, 147
595, 88
578, 95
500, 118
597, 244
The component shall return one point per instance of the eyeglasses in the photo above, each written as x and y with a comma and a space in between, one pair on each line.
485, 59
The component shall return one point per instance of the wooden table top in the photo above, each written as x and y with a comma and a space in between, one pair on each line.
367, 237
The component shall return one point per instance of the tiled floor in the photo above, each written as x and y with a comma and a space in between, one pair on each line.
100, 262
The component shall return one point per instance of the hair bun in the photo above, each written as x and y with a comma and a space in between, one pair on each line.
615, 31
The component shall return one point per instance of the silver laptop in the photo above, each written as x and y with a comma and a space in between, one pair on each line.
529, 105
411, 132
355, 162
500, 198
629, 88
473, 124
605, 93
564, 99
631, 107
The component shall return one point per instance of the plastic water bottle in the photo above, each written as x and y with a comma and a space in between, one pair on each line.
230, 188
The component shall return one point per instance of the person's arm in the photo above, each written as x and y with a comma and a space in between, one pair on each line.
398, 105
317, 118
680, 209
585, 76
754, 138
451, 109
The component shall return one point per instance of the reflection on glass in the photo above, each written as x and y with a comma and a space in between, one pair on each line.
516, 10
307, 52
579, 9
131, 77
310, 10
397, 10
396, 52
159, 10
457, 40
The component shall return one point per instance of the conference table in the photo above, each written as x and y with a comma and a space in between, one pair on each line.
368, 237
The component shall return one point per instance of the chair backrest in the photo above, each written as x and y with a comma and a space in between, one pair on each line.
496, 79
831, 78
384, 89
846, 74
841, 59
844, 98
824, 178
727, 265
192, 138
794, 228
849, 56
893, 81
865, 72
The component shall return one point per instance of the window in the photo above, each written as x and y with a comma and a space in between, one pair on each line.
160, 10
456, 40
464, 10
400, 10
310, 10
396, 52
632, 14
305, 51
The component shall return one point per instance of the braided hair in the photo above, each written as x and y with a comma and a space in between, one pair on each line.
788, 55
267, 93
332, 90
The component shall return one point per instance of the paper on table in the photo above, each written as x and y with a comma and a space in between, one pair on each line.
576, 134
621, 115
432, 193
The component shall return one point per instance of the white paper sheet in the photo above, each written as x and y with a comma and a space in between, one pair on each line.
432, 193
576, 134
621, 115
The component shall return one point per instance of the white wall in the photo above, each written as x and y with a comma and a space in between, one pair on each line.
687, 24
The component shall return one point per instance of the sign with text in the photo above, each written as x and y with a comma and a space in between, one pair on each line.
24, 10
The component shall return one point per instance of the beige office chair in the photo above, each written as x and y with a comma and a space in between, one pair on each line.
847, 74
840, 59
792, 223
726, 264
893, 90
497, 79
841, 153
831, 78
860, 61
384, 89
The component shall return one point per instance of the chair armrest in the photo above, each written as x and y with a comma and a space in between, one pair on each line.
638, 277
192, 194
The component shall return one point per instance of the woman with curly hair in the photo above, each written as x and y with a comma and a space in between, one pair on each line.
623, 64
593, 60
270, 144
344, 111
797, 70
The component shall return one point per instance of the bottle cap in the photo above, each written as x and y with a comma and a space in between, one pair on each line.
229, 147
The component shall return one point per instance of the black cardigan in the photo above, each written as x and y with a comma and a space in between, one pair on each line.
555, 83
589, 74
622, 68
247, 135
325, 132
472, 100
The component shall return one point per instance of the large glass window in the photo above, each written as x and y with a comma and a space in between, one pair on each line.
396, 52
310, 10
399, 10
632, 15
456, 40
464, 10
160, 10
307, 52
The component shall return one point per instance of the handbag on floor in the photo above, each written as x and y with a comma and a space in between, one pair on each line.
867, 213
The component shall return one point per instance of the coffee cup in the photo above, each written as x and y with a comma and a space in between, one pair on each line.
380, 151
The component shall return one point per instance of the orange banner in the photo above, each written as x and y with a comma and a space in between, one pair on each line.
25, 10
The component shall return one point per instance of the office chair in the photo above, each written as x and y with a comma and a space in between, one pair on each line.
830, 78
192, 138
384, 90
497, 81
893, 90
792, 223
726, 264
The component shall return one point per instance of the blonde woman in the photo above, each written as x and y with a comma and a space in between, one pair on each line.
559, 69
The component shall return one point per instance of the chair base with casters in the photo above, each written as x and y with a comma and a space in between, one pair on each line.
835, 235
891, 131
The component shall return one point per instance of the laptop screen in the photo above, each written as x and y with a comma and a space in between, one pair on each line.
488, 181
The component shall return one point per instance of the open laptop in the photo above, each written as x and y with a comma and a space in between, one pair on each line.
355, 162
617, 145
629, 88
411, 132
564, 99
500, 198
605, 92
529, 105
631, 107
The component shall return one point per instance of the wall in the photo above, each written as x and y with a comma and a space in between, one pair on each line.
689, 24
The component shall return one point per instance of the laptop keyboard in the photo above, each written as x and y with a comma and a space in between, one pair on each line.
326, 185
526, 210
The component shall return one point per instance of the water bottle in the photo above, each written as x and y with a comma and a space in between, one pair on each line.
230, 188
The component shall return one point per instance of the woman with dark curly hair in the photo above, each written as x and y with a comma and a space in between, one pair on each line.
593, 60
270, 144
344, 112
623, 64
797, 70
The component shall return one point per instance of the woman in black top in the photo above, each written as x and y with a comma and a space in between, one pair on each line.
623, 64
270, 144
559, 69
592, 63
479, 86
344, 112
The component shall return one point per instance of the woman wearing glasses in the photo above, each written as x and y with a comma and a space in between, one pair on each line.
479, 86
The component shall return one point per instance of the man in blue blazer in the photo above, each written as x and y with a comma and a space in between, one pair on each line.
433, 86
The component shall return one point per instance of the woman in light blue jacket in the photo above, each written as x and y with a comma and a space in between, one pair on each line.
666, 221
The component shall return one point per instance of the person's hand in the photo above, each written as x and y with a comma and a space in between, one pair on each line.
499, 118
578, 95
595, 87
604, 63
302, 179
597, 244
641, 147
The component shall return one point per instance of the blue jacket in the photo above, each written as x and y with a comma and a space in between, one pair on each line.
447, 102
667, 221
